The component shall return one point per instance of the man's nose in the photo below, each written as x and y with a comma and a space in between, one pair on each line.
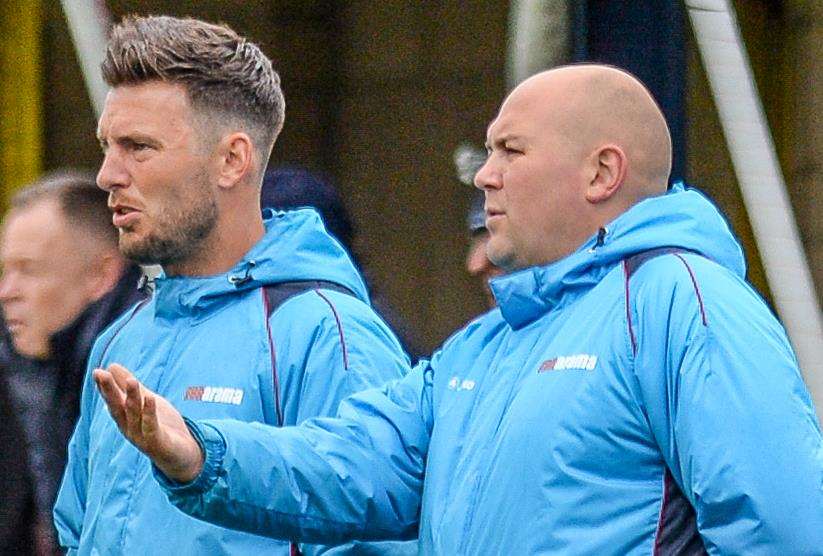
488, 176
112, 173
8, 288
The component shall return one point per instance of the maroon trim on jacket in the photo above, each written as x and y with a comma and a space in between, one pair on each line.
273, 357
676, 532
339, 329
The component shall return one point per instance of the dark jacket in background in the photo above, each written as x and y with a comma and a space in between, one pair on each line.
17, 500
39, 406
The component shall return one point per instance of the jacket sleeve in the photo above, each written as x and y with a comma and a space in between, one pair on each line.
70, 507
357, 476
728, 408
331, 345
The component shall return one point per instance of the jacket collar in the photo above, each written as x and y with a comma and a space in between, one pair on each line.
681, 218
294, 247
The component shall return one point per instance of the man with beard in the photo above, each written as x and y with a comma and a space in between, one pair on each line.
631, 394
252, 320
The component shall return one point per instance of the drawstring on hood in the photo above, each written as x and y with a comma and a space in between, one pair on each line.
238, 281
145, 284
601, 238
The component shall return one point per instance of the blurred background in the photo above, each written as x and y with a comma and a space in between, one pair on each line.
380, 94
387, 105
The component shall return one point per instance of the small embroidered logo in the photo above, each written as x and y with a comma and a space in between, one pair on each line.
214, 394
579, 362
456, 384
547, 365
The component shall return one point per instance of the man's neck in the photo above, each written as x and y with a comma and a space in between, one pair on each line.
223, 249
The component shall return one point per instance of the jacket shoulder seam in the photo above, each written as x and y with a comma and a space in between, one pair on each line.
340, 332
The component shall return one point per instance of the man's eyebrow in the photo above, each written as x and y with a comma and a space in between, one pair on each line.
502, 139
135, 137
17, 259
488, 131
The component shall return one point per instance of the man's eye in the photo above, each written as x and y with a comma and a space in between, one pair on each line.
136, 146
25, 268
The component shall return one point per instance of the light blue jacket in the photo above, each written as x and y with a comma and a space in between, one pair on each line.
204, 344
567, 421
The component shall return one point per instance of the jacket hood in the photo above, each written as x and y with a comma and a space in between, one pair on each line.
682, 218
294, 247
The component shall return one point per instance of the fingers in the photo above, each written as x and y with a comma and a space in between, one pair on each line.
126, 398
134, 411
113, 396
150, 423
121, 375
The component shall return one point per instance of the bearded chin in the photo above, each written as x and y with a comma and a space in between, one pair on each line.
155, 250
176, 239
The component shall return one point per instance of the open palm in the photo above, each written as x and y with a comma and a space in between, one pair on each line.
151, 423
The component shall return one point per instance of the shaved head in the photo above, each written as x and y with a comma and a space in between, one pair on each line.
602, 105
571, 149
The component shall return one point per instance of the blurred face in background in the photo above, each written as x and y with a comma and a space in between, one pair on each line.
479, 265
47, 276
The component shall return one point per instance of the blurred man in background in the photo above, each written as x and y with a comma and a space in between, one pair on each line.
63, 282
292, 187
477, 260
17, 513
467, 161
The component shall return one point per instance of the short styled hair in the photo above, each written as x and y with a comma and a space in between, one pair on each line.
83, 204
223, 74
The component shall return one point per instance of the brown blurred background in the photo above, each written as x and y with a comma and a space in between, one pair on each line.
379, 94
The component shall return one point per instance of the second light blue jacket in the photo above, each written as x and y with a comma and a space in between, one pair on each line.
208, 346
598, 410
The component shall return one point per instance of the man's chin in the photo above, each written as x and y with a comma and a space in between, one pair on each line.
137, 251
502, 256
30, 349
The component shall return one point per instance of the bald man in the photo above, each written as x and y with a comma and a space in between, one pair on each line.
631, 394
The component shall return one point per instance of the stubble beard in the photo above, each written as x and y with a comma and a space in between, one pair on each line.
501, 252
179, 232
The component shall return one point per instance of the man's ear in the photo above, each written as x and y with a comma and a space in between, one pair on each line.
109, 267
235, 154
610, 165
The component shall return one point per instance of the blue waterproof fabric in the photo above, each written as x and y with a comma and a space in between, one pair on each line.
203, 344
536, 430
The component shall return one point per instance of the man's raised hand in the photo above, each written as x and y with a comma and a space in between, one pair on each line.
151, 423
